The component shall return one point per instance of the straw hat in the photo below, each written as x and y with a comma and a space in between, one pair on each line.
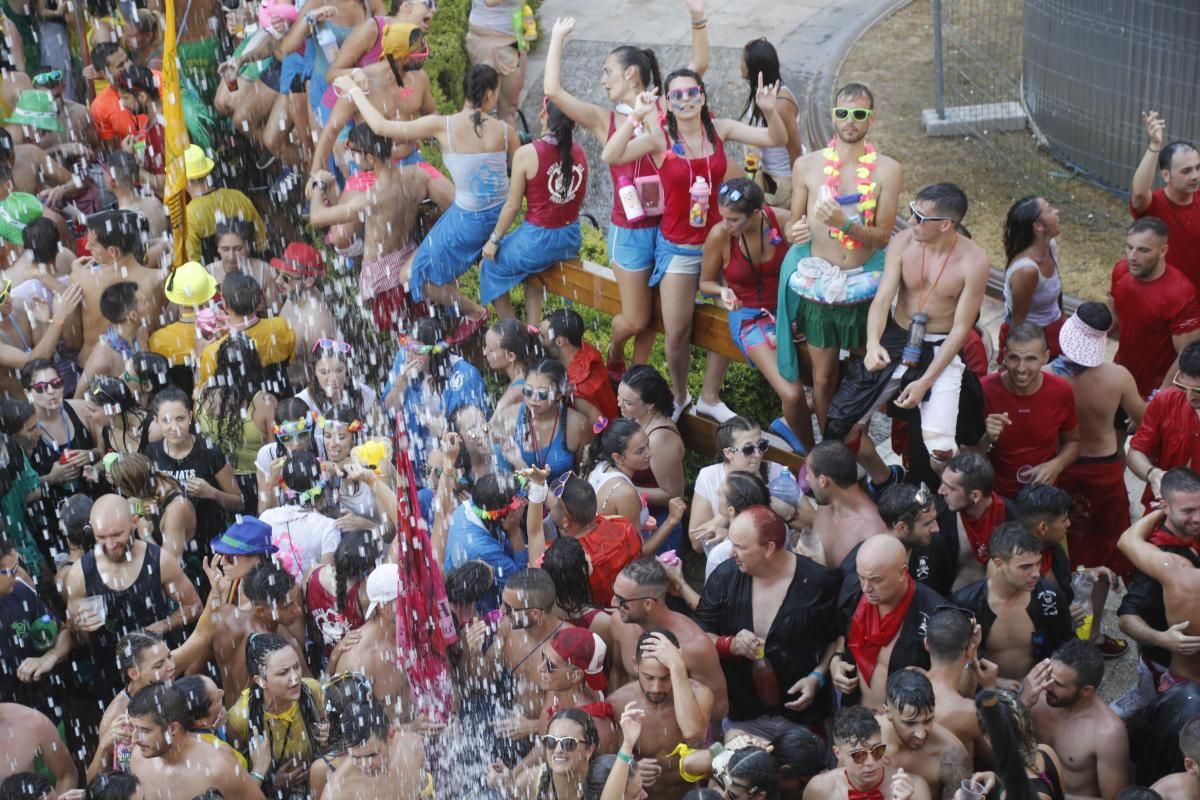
1082, 343
36, 108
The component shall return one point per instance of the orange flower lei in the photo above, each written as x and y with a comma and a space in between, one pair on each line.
866, 188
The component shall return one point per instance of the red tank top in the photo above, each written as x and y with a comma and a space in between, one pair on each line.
678, 173
322, 609
756, 285
634, 169
551, 201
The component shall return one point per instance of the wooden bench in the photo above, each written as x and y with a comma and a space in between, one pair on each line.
594, 286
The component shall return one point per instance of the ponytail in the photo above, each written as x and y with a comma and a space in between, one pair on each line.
479, 80
645, 61
562, 127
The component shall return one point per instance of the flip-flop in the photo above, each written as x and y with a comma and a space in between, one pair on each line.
780, 428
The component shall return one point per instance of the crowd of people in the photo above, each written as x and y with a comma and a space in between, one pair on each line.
291, 509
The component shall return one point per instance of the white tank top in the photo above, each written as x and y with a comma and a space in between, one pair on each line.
776, 161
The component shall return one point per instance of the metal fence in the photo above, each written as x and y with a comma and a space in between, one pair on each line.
1082, 70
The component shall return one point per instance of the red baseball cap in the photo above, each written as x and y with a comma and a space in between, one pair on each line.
300, 259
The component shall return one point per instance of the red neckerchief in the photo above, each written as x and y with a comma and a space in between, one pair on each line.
979, 531
598, 709
854, 793
1164, 538
1047, 560
869, 632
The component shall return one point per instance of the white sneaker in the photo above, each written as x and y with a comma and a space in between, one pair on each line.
680, 408
718, 410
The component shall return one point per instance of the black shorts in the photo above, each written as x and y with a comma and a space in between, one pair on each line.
270, 76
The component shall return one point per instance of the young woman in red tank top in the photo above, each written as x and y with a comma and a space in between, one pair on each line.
742, 256
690, 154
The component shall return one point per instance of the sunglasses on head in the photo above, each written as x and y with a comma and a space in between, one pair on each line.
876, 753
728, 193
568, 743
919, 218
750, 448
331, 344
49, 78
543, 394
41, 387
561, 484
840, 113
679, 95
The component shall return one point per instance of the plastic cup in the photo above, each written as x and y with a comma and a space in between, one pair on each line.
973, 790
94, 606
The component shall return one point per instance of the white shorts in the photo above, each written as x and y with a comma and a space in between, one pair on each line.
939, 414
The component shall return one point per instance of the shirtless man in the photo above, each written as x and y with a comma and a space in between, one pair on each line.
298, 275
173, 764
882, 597
527, 602
1180, 582
1071, 717
384, 763
1184, 785
830, 238
860, 750
388, 238
677, 710
375, 654
845, 514
17, 328
640, 596
122, 172
274, 607
1023, 616
363, 38
915, 740
973, 511
956, 672
933, 270
126, 334
114, 239
27, 735
143, 658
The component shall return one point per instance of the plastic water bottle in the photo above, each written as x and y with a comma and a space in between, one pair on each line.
529, 23
751, 161
698, 216
328, 42
1081, 584
784, 487
518, 23
910, 356
766, 682
43, 633
849, 204
630, 202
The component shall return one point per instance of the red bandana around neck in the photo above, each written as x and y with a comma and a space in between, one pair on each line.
979, 531
870, 632
854, 793
1164, 538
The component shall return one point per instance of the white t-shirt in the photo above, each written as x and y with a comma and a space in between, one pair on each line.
368, 396
313, 535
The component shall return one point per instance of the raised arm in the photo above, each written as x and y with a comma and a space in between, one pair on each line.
1134, 544
699, 62
342, 112
589, 115
1143, 177
360, 40
774, 135
622, 147
420, 128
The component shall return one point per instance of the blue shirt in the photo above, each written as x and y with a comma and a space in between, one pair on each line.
464, 386
468, 540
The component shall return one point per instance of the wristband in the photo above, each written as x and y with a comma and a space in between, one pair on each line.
724, 643
257, 776
537, 492
1151, 149
846, 226
624, 757
820, 678
493, 238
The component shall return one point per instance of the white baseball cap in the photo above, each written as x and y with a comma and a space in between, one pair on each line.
383, 586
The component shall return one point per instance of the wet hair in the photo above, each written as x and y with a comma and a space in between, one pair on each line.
553, 369
102, 52
645, 61
365, 720
649, 575
833, 459
854, 725
33, 368
118, 300
113, 784
1039, 502
368, 142
351, 392
492, 492
123, 229
1179, 479
1167, 155
345, 694
745, 489
515, 338
614, 439
1018, 226
591, 738
287, 410
1189, 360
563, 128
1009, 728
162, 702
241, 228
535, 587
153, 369
1084, 658
25, 786
228, 396
1189, 739
750, 196
767, 524
135, 475
195, 698
897, 504
130, 649
948, 633
242, 293
651, 387
268, 584
579, 500
756, 767
567, 565
171, 394
428, 330
74, 515
761, 59
909, 688
477, 82
647, 637
301, 472
41, 238
852, 90
136, 78
1012, 539
14, 414
948, 200
356, 555
800, 753
259, 648
706, 119
1152, 225
455, 423
470, 581
1026, 331
977, 472
567, 323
